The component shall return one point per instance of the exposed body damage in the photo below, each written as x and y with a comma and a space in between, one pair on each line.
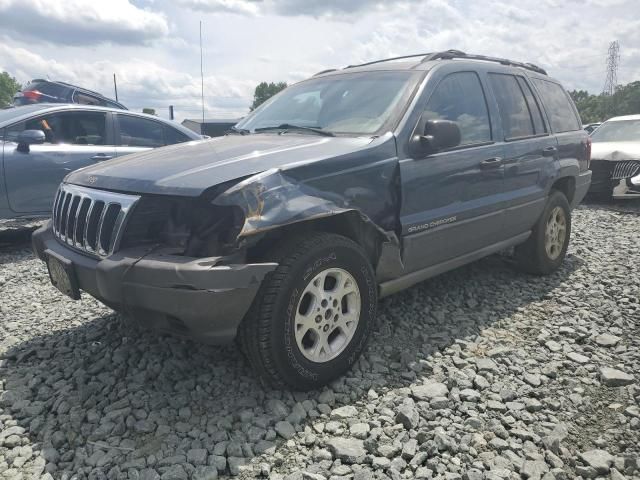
281, 198
616, 169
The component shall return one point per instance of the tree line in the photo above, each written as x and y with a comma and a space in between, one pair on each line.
598, 108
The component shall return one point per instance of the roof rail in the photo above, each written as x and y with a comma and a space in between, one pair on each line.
451, 54
387, 60
325, 71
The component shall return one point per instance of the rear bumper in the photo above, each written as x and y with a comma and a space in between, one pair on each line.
583, 182
190, 297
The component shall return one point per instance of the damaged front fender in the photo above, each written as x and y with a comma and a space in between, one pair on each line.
277, 198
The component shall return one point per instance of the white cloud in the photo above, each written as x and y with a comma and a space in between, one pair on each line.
335, 9
288, 40
246, 7
81, 22
140, 83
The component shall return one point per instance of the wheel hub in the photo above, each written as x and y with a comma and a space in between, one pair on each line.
327, 315
555, 233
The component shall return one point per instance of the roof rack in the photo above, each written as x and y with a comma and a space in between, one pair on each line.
388, 60
451, 54
325, 71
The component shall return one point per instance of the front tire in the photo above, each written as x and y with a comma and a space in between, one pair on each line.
545, 249
313, 315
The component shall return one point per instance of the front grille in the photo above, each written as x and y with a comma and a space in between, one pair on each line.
626, 169
89, 220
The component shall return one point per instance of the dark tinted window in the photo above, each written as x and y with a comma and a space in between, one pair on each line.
140, 132
558, 106
460, 98
85, 99
171, 136
534, 107
75, 128
514, 111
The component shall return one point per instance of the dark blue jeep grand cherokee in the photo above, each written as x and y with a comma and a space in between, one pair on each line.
348, 186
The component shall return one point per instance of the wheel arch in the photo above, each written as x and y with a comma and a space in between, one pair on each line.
350, 224
567, 186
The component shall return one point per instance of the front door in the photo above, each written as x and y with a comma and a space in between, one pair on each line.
74, 139
451, 200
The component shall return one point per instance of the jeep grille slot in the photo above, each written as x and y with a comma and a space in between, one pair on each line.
625, 169
89, 220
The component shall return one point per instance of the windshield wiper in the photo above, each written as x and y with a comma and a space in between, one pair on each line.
288, 126
241, 131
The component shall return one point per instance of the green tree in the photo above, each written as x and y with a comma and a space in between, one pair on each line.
149, 111
265, 91
598, 108
8, 88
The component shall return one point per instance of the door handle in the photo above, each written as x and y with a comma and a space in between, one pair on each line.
101, 157
494, 162
549, 151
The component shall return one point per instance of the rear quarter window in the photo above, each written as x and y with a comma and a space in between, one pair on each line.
558, 106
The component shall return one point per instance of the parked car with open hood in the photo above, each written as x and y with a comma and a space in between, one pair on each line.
616, 158
41, 143
348, 186
49, 91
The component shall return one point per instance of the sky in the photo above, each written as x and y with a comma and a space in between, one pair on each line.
153, 45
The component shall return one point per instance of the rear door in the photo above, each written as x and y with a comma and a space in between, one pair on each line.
530, 151
566, 126
451, 199
137, 134
74, 139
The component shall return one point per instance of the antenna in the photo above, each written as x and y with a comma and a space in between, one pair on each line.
201, 74
613, 62
115, 86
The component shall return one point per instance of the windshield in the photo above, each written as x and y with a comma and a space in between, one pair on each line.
618, 131
357, 103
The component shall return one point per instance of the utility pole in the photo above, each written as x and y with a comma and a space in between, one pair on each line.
201, 74
115, 86
171, 112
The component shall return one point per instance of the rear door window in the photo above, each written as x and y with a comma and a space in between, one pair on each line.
517, 121
534, 107
459, 98
140, 132
171, 136
556, 101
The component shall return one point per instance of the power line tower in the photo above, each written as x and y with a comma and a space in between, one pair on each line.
613, 61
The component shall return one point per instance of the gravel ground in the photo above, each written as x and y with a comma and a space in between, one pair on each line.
481, 373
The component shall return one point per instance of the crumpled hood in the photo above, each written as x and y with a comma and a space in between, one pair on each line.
615, 151
188, 169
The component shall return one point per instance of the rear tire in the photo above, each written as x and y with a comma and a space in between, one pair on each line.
312, 317
545, 249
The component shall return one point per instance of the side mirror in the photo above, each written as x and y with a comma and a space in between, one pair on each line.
437, 135
30, 137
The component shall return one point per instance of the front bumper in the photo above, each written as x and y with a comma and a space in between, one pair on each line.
190, 297
618, 188
627, 188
